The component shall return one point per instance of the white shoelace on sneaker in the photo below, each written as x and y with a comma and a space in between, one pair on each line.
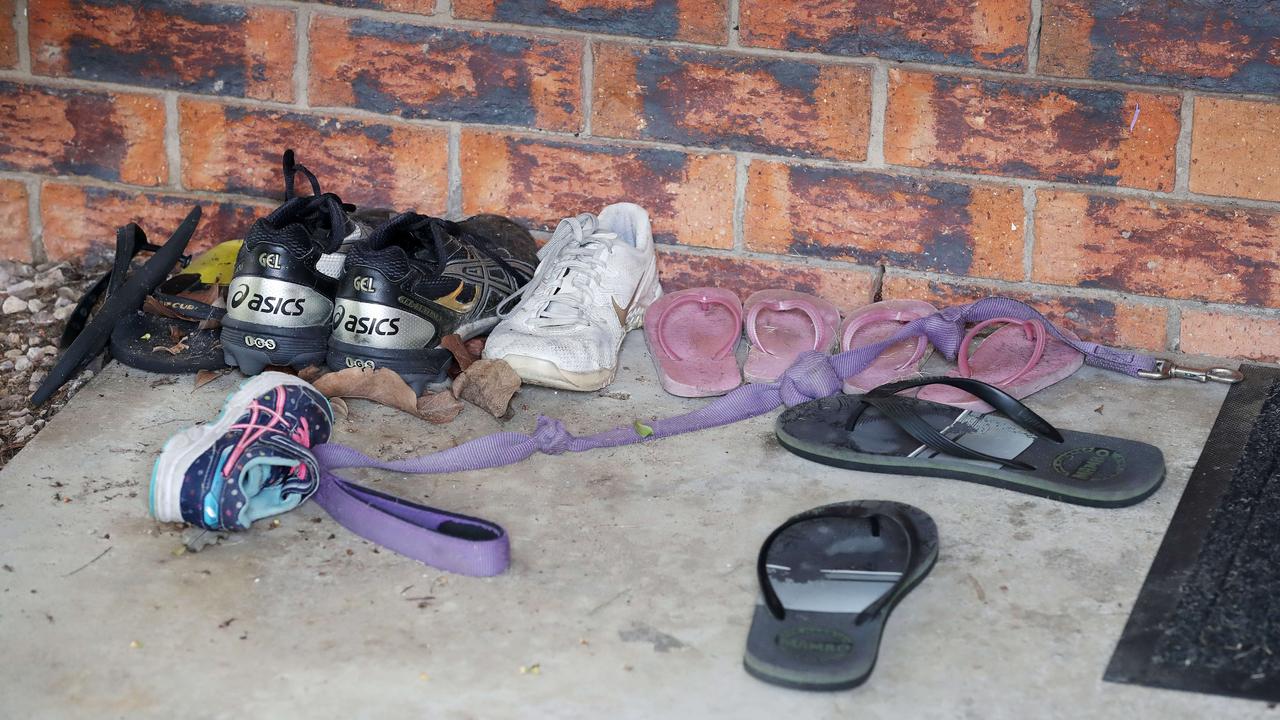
569, 266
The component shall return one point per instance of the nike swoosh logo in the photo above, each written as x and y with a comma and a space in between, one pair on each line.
623, 312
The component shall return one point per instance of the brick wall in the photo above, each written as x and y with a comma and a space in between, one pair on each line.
1116, 161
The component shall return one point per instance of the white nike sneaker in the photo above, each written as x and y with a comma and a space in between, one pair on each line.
594, 281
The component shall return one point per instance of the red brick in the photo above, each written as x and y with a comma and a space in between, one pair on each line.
701, 21
871, 218
689, 196
197, 47
1235, 148
1110, 322
1222, 46
8, 34
82, 219
236, 149
847, 288
1032, 130
446, 74
740, 102
980, 33
1175, 250
78, 132
15, 233
1227, 334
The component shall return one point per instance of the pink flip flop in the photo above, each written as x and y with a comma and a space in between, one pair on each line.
692, 335
781, 324
1020, 358
878, 322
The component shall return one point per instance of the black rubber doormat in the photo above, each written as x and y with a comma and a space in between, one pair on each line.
1208, 616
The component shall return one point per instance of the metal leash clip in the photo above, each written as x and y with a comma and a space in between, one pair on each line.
1166, 369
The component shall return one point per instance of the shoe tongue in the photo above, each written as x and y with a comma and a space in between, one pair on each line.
565, 281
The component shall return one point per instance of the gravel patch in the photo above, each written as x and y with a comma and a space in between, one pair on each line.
35, 301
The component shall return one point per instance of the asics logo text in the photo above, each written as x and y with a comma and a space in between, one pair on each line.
257, 342
371, 326
267, 304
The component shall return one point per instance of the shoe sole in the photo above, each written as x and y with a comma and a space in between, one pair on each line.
540, 371
253, 347
164, 496
426, 369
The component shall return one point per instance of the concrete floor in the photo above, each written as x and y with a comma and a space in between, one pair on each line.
629, 596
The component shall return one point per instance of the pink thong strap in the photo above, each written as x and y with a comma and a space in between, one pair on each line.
1034, 330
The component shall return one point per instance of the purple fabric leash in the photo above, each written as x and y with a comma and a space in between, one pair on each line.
471, 546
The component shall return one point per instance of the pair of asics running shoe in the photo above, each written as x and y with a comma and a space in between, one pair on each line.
319, 281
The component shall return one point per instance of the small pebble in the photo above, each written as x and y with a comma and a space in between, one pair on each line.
13, 304
23, 290
22, 364
35, 305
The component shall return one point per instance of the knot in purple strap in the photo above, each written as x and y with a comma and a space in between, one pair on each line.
810, 377
945, 329
551, 436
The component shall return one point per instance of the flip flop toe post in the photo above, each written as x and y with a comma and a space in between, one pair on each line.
829, 579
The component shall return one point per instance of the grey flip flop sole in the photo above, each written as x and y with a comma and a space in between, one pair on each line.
1085, 469
836, 572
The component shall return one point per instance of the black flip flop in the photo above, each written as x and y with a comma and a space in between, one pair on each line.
887, 433
829, 578
126, 294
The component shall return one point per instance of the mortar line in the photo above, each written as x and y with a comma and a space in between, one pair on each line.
173, 139
1182, 152
1028, 231
35, 223
439, 21
444, 8
1033, 36
302, 57
1173, 328
22, 34
733, 22
454, 192
588, 85
879, 108
739, 203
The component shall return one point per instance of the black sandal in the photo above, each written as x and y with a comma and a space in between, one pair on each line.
888, 433
829, 578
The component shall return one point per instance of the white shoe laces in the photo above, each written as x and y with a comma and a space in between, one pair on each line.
569, 265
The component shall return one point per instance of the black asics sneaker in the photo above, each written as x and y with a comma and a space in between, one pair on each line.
418, 279
280, 299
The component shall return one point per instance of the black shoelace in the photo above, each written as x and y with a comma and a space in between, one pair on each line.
319, 211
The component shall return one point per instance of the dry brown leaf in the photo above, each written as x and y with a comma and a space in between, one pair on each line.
381, 386
489, 384
439, 408
173, 349
339, 407
204, 377
461, 355
209, 323
311, 373
475, 346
